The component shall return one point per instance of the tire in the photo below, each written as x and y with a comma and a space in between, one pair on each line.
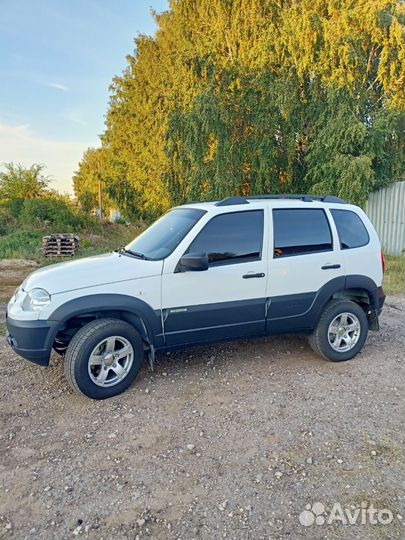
328, 338
103, 358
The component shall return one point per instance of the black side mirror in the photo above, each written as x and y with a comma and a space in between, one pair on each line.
195, 262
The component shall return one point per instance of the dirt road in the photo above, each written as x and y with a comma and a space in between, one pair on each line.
231, 441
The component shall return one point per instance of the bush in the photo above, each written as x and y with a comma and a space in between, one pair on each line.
7, 220
50, 212
15, 206
23, 244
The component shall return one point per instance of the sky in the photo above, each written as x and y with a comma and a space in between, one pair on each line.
57, 60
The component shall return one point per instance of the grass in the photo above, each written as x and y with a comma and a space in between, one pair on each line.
21, 245
394, 278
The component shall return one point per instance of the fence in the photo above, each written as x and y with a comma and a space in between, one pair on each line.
386, 210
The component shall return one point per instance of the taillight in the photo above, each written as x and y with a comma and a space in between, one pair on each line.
383, 260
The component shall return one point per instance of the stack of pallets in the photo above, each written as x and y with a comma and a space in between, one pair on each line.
60, 245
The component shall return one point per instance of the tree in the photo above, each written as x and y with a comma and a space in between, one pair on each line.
88, 201
86, 181
99, 172
357, 147
18, 182
252, 96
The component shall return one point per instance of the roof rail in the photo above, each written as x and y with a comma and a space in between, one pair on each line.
331, 199
304, 198
231, 201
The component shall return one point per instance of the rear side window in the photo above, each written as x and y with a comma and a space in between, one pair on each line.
351, 230
231, 238
300, 232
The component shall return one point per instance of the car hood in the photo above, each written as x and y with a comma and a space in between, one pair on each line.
91, 272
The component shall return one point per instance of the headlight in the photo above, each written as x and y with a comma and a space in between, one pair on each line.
36, 300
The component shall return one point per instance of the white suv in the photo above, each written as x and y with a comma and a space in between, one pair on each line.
206, 272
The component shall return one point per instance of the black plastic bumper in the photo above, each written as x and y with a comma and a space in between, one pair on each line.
32, 340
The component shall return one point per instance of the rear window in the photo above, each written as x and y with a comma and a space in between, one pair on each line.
351, 230
300, 232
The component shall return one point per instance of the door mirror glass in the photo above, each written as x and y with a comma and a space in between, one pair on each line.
194, 262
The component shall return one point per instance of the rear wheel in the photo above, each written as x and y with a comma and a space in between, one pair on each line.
341, 331
103, 358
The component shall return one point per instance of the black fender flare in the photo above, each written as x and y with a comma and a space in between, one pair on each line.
343, 284
367, 284
352, 282
112, 302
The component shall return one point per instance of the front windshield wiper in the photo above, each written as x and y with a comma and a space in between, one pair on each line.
131, 253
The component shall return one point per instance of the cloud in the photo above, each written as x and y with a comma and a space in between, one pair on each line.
61, 158
58, 86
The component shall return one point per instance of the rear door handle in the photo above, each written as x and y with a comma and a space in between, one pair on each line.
330, 266
248, 276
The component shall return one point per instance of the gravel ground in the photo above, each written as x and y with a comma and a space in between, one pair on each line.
229, 441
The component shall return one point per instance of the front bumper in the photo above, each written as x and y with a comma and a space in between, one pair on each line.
32, 340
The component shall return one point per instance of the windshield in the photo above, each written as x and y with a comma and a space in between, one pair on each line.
162, 238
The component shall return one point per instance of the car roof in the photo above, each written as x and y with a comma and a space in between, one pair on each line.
242, 203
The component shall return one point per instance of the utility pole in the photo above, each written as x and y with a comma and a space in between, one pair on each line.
100, 195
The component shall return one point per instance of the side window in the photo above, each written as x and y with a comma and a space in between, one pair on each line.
231, 238
351, 230
300, 232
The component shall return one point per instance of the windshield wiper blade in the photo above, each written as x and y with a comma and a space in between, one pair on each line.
132, 253
136, 254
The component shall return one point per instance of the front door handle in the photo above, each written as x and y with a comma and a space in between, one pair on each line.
330, 266
248, 276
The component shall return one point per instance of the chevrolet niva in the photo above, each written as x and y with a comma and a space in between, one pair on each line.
238, 268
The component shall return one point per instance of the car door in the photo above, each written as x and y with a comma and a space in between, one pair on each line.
228, 299
306, 259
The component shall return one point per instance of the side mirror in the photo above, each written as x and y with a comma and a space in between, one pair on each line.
194, 262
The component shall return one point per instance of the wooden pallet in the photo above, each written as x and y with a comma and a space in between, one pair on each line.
60, 245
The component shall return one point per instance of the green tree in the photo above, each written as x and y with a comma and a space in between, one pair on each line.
87, 201
86, 181
18, 182
100, 171
356, 148
243, 96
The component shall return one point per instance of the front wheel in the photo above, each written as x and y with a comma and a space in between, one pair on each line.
103, 358
341, 331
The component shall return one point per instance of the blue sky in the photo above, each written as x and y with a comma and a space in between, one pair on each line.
57, 59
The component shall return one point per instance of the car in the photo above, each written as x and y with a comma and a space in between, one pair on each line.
239, 268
